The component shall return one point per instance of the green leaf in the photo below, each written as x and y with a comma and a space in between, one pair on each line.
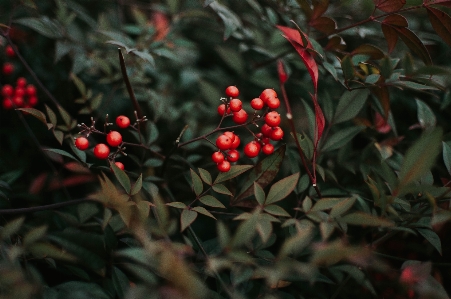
65, 116
282, 188
425, 116
361, 218
326, 203
60, 152
259, 193
331, 69
59, 136
34, 235
420, 157
230, 19
306, 204
246, 230
122, 177
432, 238
42, 25
342, 207
340, 138
80, 85
326, 229
120, 282
51, 115
205, 176
177, 204
348, 68
35, 112
11, 228
145, 56
412, 85
234, 171
447, 156
211, 201
220, 188
223, 234
198, 186
372, 79
203, 211
137, 185
263, 173
186, 218
350, 104
276, 211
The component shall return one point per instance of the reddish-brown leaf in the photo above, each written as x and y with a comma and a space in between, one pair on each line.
437, 2
320, 7
390, 36
414, 43
320, 121
324, 24
283, 76
373, 51
336, 43
441, 22
384, 98
396, 20
294, 37
390, 5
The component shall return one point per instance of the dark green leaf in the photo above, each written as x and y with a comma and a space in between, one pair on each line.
447, 156
186, 218
350, 104
432, 238
177, 204
220, 188
234, 171
348, 68
120, 282
198, 186
259, 193
230, 19
326, 203
361, 218
282, 188
11, 227
42, 25
342, 207
137, 185
122, 177
413, 85
425, 116
205, 176
276, 211
60, 152
36, 113
211, 201
340, 138
203, 211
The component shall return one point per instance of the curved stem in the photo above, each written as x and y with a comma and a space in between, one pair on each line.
43, 208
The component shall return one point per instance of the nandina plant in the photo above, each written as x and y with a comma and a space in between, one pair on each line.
257, 149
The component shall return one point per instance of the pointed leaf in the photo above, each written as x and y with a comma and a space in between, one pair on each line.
326, 203
390, 5
205, 176
447, 156
361, 218
425, 116
51, 115
441, 22
177, 204
11, 228
340, 138
35, 112
122, 177
220, 188
283, 76
234, 171
414, 43
432, 238
276, 211
347, 67
203, 211
60, 152
198, 186
186, 218
137, 185
350, 104
259, 193
211, 201
342, 207
282, 188
390, 36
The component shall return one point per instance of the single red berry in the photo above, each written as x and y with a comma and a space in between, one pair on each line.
81, 143
33, 101
231, 135
122, 121
114, 138
8, 68
221, 109
240, 117
30, 90
268, 149
273, 103
236, 142
21, 82
19, 92
233, 155
252, 149
232, 91
9, 51
276, 134
223, 142
7, 104
257, 104
266, 130
217, 157
18, 102
267, 94
101, 151
119, 165
7, 90
224, 166
235, 105
272, 119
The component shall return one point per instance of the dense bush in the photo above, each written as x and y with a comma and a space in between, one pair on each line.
353, 201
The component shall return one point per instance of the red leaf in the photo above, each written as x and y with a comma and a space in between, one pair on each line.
320, 8
390, 5
294, 37
324, 24
320, 121
390, 35
414, 43
283, 77
396, 20
441, 22
437, 2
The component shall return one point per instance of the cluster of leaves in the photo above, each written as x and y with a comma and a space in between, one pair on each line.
355, 202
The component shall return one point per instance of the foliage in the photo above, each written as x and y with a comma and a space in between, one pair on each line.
354, 201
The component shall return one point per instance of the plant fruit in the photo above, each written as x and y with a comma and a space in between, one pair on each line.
272, 119
240, 117
232, 91
81, 143
122, 121
252, 149
217, 157
235, 105
224, 166
101, 151
223, 142
114, 138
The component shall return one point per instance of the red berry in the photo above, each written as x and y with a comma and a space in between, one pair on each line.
18, 102
101, 151
240, 117
276, 133
232, 91
258, 136
119, 165
81, 143
122, 121
8, 68
257, 104
233, 155
114, 138
19, 92
267, 94
235, 105
224, 166
217, 157
221, 109
272, 119
266, 130
21, 82
264, 140
252, 149
9, 51
268, 149
273, 103
236, 142
7, 90
7, 104
231, 135
223, 142
30, 90
32, 101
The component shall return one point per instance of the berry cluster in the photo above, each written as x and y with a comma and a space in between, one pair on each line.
21, 96
113, 139
228, 142
8, 67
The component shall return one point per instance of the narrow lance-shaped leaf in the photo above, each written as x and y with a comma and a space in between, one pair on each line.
211, 201
441, 22
121, 176
35, 112
198, 186
203, 211
283, 76
389, 5
259, 193
234, 171
282, 189
350, 104
414, 43
137, 185
320, 122
186, 218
